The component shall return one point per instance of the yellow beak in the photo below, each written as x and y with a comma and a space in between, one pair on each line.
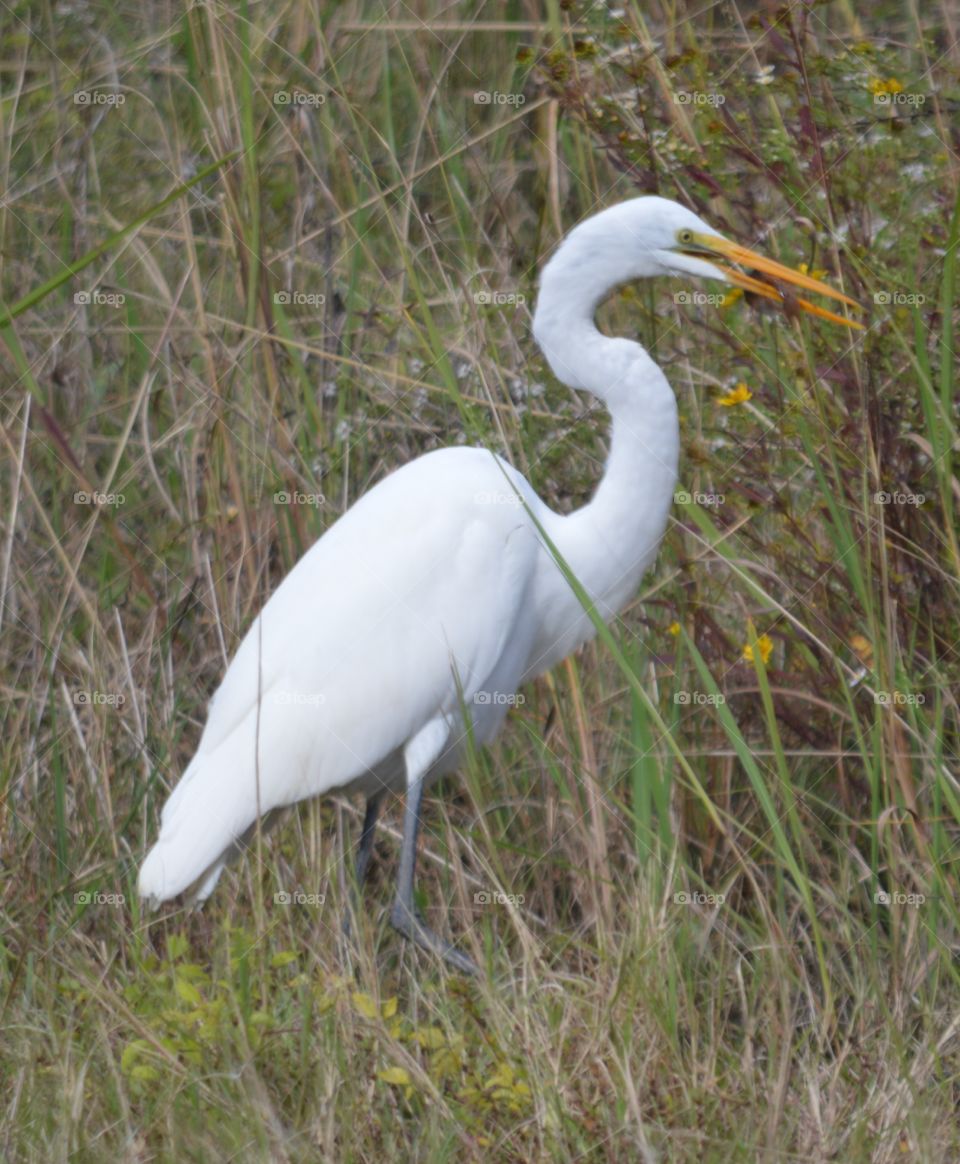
706, 246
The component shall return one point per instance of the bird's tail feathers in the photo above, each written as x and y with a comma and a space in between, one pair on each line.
204, 824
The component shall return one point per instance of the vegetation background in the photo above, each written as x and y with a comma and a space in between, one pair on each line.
255, 256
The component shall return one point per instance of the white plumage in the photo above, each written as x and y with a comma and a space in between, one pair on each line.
435, 592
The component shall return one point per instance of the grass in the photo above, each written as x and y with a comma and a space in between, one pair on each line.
301, 252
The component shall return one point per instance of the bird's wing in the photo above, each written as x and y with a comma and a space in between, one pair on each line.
401, 609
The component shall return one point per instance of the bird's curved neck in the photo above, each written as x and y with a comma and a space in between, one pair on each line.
612, 540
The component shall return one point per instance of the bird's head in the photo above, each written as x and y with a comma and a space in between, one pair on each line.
652, 236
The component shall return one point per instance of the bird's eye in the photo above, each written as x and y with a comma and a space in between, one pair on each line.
685, 237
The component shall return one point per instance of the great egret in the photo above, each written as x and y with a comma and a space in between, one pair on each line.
436, 595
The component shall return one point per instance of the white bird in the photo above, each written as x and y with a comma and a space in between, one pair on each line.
436, 595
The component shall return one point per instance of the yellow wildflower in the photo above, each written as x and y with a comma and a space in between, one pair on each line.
816, 273
736, 396
879, 87
765, 643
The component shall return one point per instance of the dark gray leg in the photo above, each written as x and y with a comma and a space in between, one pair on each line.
364, 852
403, 916
365, 848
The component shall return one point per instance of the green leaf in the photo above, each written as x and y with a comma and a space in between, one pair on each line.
398, 1076
132, 1052
502, 1077
177, 946
189, 993
430, 1038
365, 1005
